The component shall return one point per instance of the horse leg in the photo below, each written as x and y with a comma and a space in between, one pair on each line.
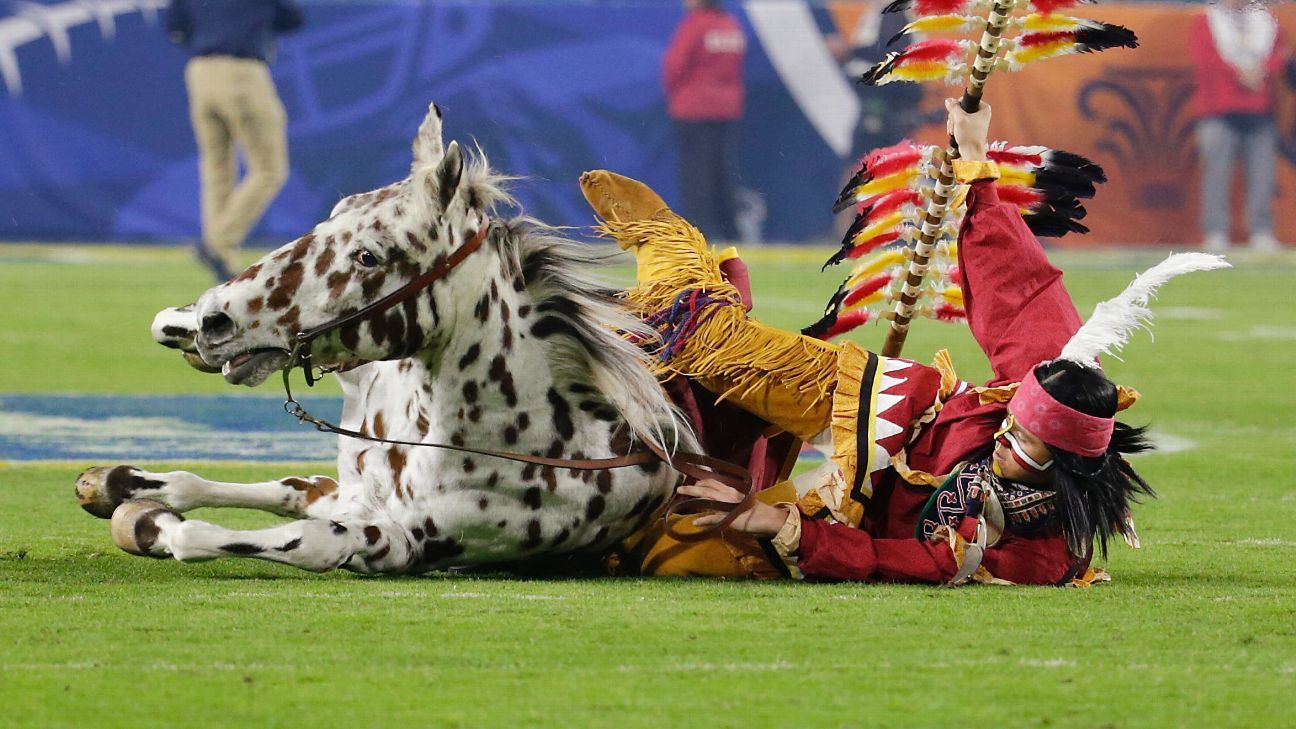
149, 528
100, 490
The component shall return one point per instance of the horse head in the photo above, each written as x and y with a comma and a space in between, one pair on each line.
371, 245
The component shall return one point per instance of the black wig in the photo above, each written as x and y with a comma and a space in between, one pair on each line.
1093, 494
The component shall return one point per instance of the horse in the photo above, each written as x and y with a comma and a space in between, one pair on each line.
517, 347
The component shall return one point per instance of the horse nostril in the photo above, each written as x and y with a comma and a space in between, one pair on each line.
217, 326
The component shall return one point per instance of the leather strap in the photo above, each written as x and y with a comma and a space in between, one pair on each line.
691, 465
400, 295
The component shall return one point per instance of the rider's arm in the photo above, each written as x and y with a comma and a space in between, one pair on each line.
836, 551
1018, 309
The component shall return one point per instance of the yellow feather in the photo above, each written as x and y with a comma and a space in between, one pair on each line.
872, 298
1023, 56
872, 265
881, 226
1036, 23
894, 181
924, 71
953, 295
1015, 176
941, 24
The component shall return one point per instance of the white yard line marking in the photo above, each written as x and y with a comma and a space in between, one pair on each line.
1259, 331
1190, 313
1267, 542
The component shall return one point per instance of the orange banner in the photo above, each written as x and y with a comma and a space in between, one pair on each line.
1129, 111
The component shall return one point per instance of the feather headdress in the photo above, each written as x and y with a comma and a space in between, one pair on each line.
1114, 320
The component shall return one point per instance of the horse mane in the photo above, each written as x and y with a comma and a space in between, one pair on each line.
591, 325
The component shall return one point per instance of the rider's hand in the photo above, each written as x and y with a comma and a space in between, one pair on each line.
970, 131
761, 520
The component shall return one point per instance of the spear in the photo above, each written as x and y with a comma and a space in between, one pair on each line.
887, 183
943, 191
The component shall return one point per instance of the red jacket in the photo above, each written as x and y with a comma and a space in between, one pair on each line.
1021, 315
702, 71
1218, 90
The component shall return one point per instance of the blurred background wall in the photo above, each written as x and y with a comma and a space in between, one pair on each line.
95, 143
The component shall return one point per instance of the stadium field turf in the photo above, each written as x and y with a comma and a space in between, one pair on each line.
1198, 628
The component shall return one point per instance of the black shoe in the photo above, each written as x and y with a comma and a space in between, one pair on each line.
216, 265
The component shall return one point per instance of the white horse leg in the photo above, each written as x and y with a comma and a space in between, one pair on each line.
100, 490
149, 528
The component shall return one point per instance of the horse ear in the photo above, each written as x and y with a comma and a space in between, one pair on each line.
448, 174
428, 147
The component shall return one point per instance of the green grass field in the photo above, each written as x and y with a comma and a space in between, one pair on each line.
1198, 628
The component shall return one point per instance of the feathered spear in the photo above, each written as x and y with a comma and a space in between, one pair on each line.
890, 189
1044, 37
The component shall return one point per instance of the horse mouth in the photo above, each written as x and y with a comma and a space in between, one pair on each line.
253, 367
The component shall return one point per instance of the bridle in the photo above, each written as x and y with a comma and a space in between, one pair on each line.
301, 354
691, 465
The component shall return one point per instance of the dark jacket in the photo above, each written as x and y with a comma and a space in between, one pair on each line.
240, 28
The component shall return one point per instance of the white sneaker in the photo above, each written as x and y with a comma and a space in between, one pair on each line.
1265, 243
1215, 243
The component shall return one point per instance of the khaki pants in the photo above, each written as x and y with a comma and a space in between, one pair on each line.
233, 102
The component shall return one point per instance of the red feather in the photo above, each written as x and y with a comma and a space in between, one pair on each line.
887, 160
847, 322
1044, 7
949, 312
1021, 197
1038, 39
873, 243
956, 275
937, 49
880, 205
1017, 159
869, 286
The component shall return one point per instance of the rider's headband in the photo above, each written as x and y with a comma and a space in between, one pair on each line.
1056, 424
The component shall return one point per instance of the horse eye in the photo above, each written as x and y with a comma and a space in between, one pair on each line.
365, 258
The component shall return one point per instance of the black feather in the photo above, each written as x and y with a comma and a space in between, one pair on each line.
903, 32
1105, 36
1082, 165
1051, 224
860, 223
879, 69
846, 197
819, 329
836, 258
1062, 182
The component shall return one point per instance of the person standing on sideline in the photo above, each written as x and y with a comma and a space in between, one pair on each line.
1237, 52
233, 104
703, 76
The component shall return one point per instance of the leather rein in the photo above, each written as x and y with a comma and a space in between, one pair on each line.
691, 465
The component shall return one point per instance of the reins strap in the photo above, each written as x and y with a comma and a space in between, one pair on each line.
700, 467
691, 465
295, 409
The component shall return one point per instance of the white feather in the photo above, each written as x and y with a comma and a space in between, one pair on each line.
1114, 320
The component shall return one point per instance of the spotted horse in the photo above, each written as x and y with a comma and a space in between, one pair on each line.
516, 348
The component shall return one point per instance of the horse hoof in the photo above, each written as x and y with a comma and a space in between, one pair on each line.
92, 492
135, 526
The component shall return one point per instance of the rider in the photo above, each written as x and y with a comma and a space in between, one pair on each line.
931, 479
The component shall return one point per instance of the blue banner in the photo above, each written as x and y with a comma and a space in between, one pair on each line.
95, 142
